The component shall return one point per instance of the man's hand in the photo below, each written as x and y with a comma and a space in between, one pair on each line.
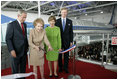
13, 53
71, 44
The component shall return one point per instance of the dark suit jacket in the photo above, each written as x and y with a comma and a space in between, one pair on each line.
15, 39
67, 34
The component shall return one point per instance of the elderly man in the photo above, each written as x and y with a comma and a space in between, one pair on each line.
16, 40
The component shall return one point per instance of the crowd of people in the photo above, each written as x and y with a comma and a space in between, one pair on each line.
93, 51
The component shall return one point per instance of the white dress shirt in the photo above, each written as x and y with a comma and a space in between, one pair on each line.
20, 24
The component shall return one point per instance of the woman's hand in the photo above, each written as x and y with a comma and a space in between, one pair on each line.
50, 48
37, 48
60, 50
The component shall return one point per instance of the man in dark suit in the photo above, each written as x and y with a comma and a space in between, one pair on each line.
17, 43
65, 25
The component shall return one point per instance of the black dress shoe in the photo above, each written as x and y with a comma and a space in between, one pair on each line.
60, 69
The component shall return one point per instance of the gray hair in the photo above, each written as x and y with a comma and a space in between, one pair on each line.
21, 11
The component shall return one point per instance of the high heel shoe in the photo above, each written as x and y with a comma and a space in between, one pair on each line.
50, 75
55, 75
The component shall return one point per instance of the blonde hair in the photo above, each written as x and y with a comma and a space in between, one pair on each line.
38, 20
52, 18
64, 9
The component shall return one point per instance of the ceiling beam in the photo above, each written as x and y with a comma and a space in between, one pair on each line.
12, 9
31, 8
9, 9
5, 4
40, 5
84, 13
27, 2
61, 7
66, 6
93, 7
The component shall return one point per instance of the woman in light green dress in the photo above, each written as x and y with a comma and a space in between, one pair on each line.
53, 35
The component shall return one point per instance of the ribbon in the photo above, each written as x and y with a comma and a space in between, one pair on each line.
19, 75
67, 50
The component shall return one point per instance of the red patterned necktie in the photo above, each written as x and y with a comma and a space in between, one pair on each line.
23, 29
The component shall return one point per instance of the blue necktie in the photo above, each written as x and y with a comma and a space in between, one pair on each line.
63, 24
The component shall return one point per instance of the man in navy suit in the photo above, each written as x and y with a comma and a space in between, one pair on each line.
17, 43
65, 25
